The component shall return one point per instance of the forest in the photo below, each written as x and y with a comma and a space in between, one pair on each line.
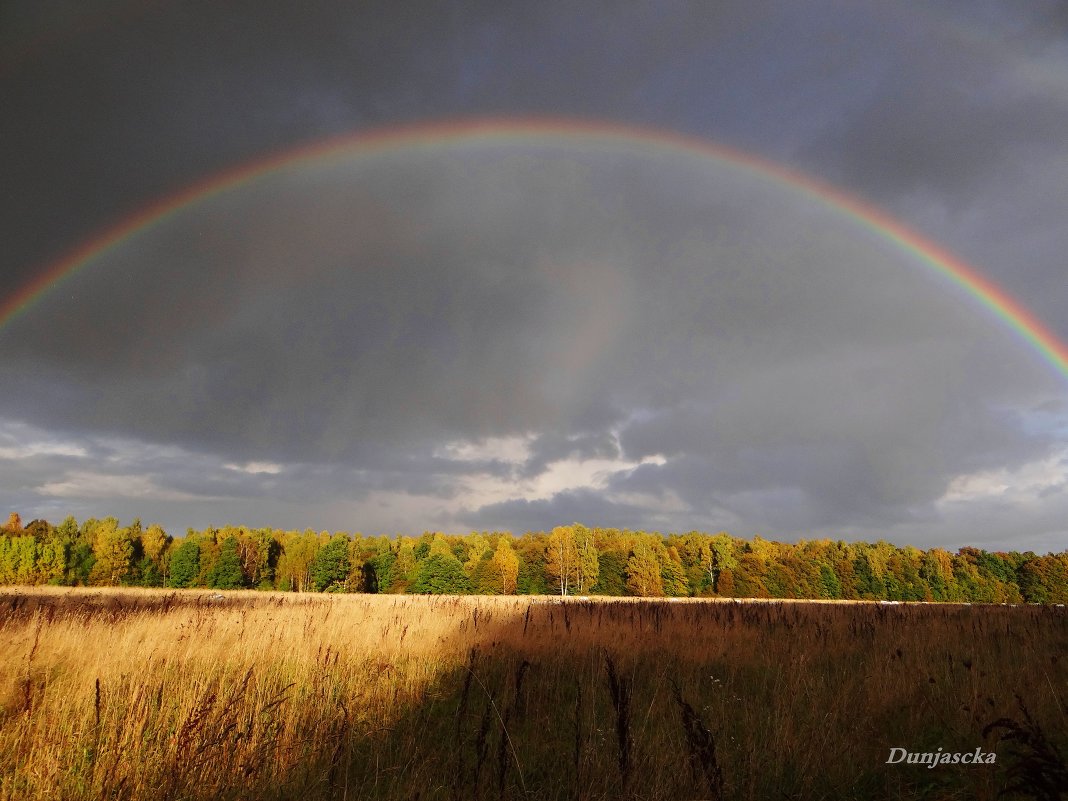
568, 560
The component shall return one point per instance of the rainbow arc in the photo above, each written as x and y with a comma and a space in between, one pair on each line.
985, 292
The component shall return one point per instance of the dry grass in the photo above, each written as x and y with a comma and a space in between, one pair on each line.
198, 695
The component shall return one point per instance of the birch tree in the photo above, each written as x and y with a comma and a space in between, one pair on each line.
561, 558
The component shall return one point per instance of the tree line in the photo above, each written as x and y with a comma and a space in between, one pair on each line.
568, 560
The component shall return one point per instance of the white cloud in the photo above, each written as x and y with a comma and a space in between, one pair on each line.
512, 449
667, 503
561, 475
1022, 485
569, 474
29, 449
86, 484
21, 441
256, 468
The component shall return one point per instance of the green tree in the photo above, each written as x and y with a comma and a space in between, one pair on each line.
25, 559
18, 560
150, 573
52, 561
330, 570
185, 563
612, 573
672, 575
441, 573
531, 580
829, 584
378, 572
80, 562
67, 531
226, 573
7, 561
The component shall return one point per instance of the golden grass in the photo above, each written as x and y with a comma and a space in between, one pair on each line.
140, 694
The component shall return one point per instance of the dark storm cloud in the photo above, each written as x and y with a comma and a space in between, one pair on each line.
413, 337
108, 116
461, 307
374, 310
943, 127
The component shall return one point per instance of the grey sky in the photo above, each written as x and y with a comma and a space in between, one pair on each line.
516, 331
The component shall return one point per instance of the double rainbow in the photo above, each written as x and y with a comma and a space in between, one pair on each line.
988, 294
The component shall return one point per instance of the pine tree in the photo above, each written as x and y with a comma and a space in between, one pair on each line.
185, 563
226, 573
612, 573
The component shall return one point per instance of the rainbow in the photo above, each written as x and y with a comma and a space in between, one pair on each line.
988, 294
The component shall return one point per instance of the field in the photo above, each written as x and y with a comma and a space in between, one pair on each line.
197, 695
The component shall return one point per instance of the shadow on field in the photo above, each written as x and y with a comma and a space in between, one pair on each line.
689, 700
401, 697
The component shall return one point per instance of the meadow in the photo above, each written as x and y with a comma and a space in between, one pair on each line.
155, 694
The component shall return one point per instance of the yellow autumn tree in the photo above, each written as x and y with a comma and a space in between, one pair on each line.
587, 567
476, 546
404, 567
643, 571
153, 542
505, 564
51, 561
113, 549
